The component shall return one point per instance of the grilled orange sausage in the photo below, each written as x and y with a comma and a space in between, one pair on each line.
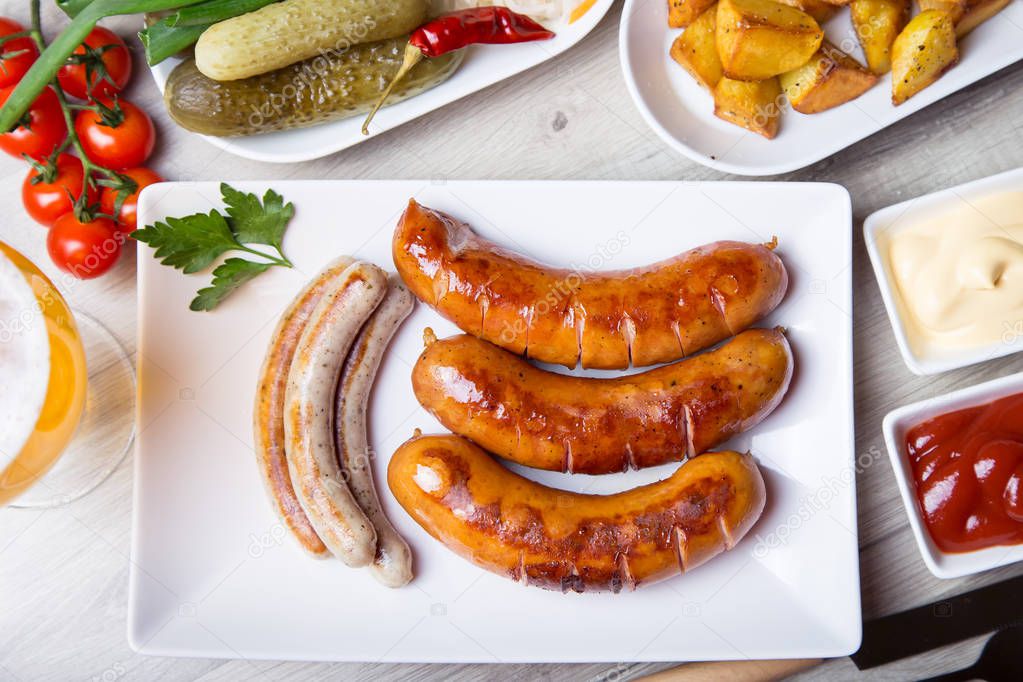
643, 316
595, 426
564, 541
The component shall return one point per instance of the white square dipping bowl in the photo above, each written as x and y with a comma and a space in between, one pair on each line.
881, 225
896, 424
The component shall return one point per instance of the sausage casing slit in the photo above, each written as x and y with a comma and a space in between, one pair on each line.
605, 320
569, 541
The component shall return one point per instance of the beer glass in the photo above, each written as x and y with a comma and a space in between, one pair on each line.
66, 393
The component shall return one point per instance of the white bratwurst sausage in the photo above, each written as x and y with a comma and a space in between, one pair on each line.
393, 563
308, 414
268, 414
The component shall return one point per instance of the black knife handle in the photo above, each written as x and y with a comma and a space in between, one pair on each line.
944, 622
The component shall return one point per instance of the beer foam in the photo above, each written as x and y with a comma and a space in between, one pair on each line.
24, 361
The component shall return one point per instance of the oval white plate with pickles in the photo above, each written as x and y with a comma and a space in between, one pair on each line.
483, 67
682, 113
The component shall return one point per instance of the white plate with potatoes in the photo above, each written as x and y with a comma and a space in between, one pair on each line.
726, 83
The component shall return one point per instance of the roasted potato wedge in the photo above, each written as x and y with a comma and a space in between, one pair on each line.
924, 50
876, 23
966, 14
681, 13
820, 10
830, 78
956, 8
696, 50
837, 3
976, 13
754, 105
758, 39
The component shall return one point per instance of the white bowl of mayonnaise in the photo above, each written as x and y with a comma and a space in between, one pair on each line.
950, 269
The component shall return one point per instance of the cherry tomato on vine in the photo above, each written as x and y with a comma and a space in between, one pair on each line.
104, 59
46, 128
24, 52
46, 201
125, 145
84, 249
127, 218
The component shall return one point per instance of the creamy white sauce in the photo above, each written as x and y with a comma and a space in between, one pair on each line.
24, 361
959, 273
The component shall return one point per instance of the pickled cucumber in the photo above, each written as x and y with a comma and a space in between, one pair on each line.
287, 32
304, 94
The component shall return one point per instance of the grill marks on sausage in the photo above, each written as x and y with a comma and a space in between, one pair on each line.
580, 425
568, 541
618, 317
660, 527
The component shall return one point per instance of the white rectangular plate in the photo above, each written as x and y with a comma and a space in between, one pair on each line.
214, 575
483, 66
682, 113
880, 227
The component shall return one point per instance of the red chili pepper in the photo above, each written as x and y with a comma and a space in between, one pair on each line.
478, 26
450, 32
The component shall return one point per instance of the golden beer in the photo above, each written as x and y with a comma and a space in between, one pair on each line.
43, 376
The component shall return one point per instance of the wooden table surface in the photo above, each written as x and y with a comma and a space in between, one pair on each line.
63, 572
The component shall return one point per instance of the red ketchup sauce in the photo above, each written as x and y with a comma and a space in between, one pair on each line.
968, 470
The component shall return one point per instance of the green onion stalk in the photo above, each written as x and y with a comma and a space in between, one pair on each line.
212, 11
163, 41
86, 13
175, 32
73, 7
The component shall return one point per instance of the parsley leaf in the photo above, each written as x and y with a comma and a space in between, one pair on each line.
189, 244
227, 277
193, 243
257, 223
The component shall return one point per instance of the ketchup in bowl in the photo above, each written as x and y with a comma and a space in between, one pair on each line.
968, 470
